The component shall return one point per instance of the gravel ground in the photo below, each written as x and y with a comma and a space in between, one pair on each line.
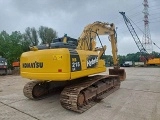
137, 99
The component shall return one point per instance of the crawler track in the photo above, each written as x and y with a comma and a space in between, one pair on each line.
81, 97
77, 97
37, 89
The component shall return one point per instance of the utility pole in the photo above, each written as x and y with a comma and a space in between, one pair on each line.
146, 40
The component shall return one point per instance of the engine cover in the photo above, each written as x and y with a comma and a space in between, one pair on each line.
60, 64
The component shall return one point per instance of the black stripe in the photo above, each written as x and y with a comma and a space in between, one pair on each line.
75, 60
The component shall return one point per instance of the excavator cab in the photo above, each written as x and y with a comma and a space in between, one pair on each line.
120, 72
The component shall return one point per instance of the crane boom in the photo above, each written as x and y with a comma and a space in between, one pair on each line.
133, 33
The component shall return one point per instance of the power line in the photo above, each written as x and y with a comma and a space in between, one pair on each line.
155, 18
155, 13
134, 7
154, 9
154, 6
144, 33
127, 11
155, 22
136, 14
116, 18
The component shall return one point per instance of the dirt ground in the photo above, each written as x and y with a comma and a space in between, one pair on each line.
137, 99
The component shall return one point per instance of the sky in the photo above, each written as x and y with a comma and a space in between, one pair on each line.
71, 16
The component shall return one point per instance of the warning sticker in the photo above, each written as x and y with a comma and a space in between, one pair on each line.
57, 57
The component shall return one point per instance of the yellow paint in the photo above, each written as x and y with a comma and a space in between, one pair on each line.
154, 61
57, 57
54, 59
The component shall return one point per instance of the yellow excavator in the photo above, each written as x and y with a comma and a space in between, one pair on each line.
73, 66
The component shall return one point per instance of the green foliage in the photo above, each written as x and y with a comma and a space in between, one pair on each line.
134, 57
31, 34
47, 34
108, 59
14, 44
121, 59
156, 54
10, 47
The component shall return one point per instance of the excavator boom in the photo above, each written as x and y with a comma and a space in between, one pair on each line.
87, 41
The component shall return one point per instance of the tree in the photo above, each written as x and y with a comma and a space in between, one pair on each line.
31, 34
47, 35
4, 40
10, 46
121, 59
156, 54
108, 59
25, 42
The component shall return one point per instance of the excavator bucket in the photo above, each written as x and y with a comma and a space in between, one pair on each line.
120, 72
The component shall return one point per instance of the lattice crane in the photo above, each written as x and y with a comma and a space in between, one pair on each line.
134, 34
